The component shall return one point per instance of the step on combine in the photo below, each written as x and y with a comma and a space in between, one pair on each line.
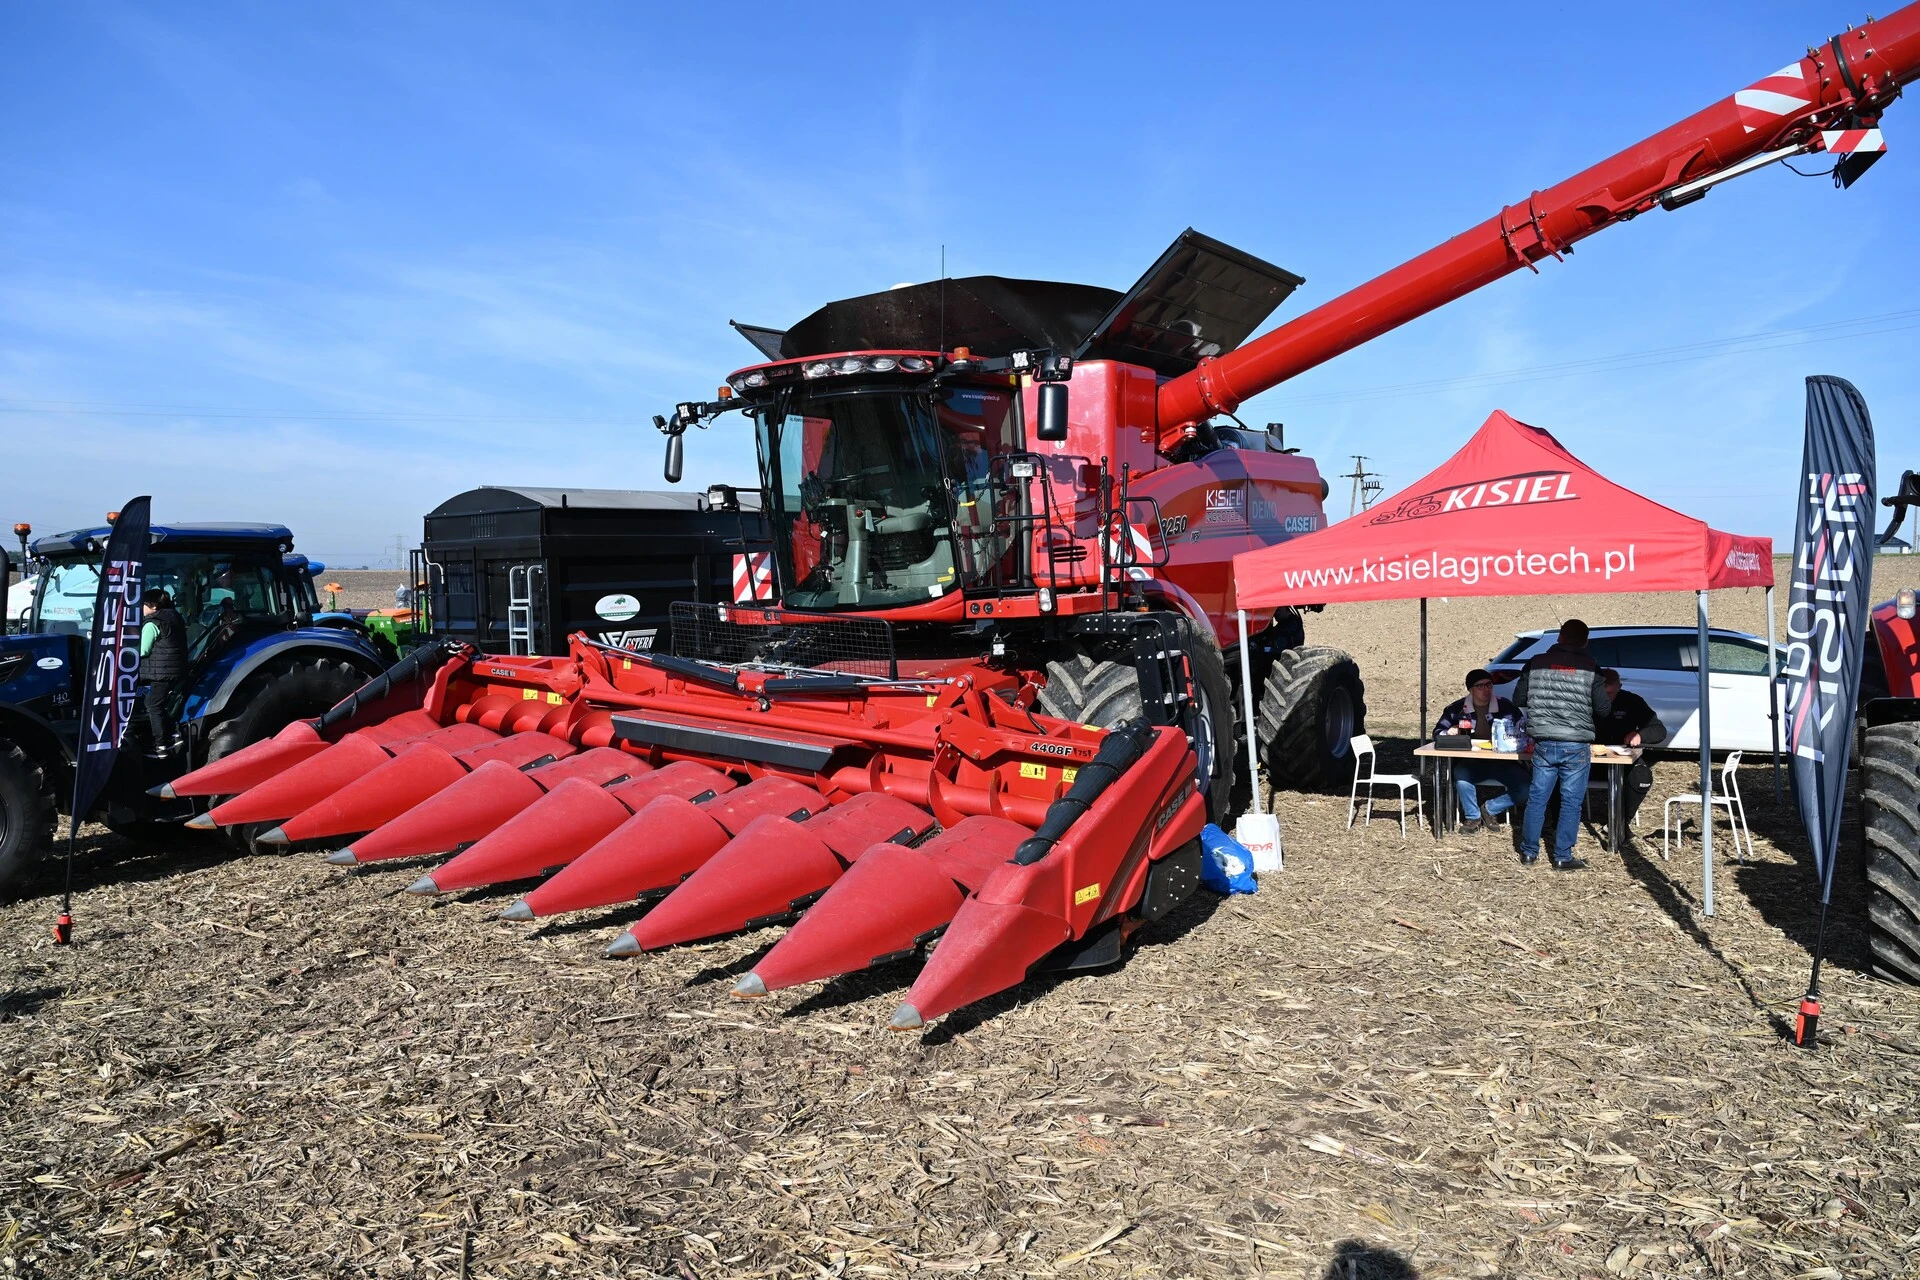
990, 706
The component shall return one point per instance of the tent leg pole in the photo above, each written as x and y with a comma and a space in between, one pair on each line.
1706, 763
1773, 697
1246, 704
1423, 665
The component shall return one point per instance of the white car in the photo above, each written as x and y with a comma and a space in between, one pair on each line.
1662, 665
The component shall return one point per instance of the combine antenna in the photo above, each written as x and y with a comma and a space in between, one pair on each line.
1366, 485
943, 297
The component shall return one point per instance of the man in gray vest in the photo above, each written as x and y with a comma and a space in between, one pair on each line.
1565, 700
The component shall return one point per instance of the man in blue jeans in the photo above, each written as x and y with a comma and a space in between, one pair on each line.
1473, 716
1565, 700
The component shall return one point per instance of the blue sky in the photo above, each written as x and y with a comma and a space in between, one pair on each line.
332, 264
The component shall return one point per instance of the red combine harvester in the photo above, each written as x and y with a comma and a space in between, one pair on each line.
991, 706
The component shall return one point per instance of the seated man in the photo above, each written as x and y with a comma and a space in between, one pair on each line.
1631, 723
1473, 716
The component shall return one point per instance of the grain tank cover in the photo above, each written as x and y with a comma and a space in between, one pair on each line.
1202, 298
990, 315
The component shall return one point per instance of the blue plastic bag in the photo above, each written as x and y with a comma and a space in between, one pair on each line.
1225, 864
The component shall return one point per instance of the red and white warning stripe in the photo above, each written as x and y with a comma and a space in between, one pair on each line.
753, 576
1847, 142
1761, 104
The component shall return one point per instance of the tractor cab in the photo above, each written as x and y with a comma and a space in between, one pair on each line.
228, 582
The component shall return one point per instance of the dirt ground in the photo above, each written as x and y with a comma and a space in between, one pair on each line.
1400, 1057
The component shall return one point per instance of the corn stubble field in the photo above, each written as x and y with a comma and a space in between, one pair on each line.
1398, 1058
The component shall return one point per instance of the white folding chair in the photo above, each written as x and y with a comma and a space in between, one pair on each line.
1364, 776
1726, 796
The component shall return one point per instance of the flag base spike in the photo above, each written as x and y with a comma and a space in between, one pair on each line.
519, 911
624, 945
63, 930
1807, 1023
424, 885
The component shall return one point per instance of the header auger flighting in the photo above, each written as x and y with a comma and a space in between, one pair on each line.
991, 709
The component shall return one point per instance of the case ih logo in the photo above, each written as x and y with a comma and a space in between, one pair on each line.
1747, 560
1524, 489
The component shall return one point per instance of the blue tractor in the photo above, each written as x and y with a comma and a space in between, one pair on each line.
259, 658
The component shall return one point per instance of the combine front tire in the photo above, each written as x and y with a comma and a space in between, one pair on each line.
1313, 703
26, 814
1103, 691
1890, 769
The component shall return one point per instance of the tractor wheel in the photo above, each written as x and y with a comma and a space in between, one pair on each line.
297, 689
26, 814
1103, 692
1890, 769
1313, 703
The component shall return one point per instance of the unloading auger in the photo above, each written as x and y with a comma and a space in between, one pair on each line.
895, 813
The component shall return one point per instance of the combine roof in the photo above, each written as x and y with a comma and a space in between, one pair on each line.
1201, 298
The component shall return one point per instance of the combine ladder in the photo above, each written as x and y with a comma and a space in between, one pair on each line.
520, 580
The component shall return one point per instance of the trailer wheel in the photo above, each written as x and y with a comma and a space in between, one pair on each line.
1313, 703
1104, 692
1890, 768
26, 814
272, 699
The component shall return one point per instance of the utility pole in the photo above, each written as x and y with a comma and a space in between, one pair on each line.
1366, 485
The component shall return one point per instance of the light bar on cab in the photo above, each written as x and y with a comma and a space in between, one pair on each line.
836, 367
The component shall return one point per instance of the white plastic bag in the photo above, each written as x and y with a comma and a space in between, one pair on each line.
1260, 833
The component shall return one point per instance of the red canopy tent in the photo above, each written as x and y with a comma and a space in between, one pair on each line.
1512, 513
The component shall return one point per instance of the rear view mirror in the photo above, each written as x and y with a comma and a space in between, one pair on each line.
676, 456
1053, 411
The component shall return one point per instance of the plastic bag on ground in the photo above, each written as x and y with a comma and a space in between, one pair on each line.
1225, 864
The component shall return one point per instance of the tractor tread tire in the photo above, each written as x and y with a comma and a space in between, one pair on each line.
1103, 693
1289, 729
1890, 772
298, 688
28, 812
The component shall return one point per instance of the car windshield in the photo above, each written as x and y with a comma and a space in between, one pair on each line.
209, 590
881, 497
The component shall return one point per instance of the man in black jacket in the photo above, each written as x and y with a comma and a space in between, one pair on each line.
1630, 722
1565, 702
163, 666
1473, 716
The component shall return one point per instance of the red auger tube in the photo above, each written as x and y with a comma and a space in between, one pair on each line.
478, 804
887, 904
775, 867
665, 843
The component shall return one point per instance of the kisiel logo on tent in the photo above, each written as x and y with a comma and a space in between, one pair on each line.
1508, 491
